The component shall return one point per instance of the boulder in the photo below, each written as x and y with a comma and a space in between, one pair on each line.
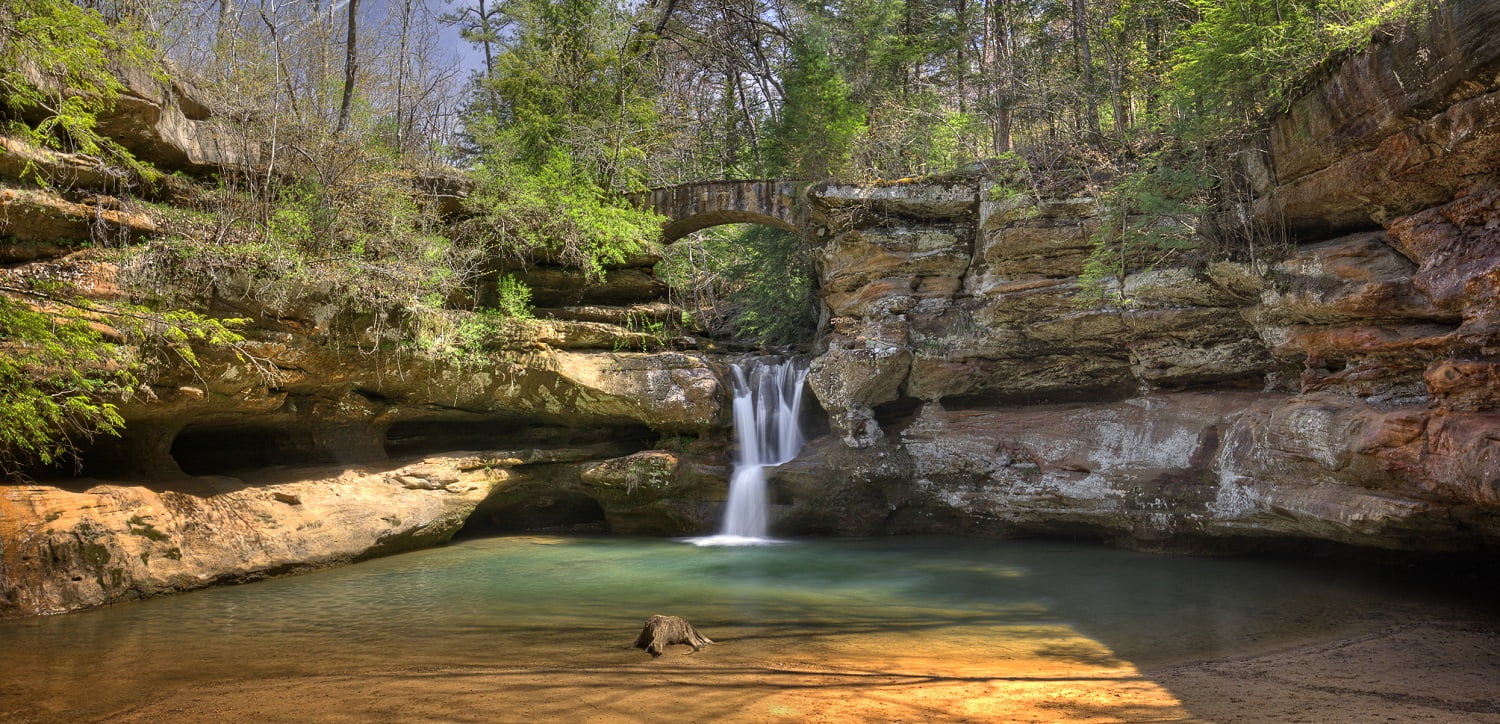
657, 492
832, 488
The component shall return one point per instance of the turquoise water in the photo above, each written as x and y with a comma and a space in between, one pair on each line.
515, 601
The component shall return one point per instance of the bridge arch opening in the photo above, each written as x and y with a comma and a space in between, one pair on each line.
745, 283
679, 228
741, 267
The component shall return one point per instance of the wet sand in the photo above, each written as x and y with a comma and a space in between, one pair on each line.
1439, 671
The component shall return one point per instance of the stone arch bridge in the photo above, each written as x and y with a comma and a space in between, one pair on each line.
694, 206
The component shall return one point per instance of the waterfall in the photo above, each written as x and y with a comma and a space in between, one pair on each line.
768, 431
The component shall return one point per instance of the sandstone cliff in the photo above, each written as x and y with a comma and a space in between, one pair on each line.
318, 441
1343, 391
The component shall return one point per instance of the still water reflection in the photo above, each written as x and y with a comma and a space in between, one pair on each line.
514, 601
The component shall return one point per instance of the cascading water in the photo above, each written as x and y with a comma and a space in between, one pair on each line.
768, 430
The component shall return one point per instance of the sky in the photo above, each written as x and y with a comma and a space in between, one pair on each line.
469, 58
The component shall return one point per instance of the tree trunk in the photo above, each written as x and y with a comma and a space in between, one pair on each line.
223, 33
1003, 82
663, 631
351, 66
402, 61
1086, 65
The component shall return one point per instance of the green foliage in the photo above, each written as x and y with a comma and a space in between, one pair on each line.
1012, 176
55, 59
755, 283
53, 374
60, 377
951, 141
146, 529
1151, 216
363, 246
567, 82
557, 213
467, 338
560, 127
814, 135
1244, 57
513, 297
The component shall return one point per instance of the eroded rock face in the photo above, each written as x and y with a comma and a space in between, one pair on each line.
1343, 392
567, 395
171, 125
90, 543
1403, 126
1340, 391
1352, 380
658, 492
1197, 466
47, 225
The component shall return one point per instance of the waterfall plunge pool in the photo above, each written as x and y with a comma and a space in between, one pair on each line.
543, 625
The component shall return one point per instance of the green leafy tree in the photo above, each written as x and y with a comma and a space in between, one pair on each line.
53, 373
754, 283
1244, 57
61, 378
560, 128
55, 74
1152, 215
814, 135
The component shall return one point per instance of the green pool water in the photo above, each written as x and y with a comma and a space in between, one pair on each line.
517, 601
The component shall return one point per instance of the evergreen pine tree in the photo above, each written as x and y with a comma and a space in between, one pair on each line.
814, 135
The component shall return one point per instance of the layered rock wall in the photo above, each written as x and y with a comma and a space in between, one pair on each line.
1345, 390
90, 543
323, 437
1342, 390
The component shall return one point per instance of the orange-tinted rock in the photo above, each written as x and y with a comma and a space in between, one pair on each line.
40, 215
1401, 126
91, 543
1456, 247
1354, 278
1471, 385
1461, 457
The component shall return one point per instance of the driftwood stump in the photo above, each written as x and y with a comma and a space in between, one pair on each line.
663, 631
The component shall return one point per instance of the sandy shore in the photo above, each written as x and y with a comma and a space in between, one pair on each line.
1440, 671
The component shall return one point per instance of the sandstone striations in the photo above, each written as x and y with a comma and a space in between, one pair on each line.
90, 542
1341, 391
318, 440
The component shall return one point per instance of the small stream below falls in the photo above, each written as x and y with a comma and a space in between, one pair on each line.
578, 602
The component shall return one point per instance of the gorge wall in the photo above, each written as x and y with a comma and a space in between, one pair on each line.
320, 439
1343, 389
